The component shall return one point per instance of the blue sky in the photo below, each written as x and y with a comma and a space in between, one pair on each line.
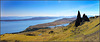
48, 8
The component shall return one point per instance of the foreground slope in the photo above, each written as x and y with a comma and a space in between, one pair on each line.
89, 31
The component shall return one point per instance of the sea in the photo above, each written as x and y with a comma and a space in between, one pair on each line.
17, 26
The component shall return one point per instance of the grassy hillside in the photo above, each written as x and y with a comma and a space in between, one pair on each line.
89, 31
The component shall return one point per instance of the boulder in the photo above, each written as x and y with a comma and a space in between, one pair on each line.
51, 32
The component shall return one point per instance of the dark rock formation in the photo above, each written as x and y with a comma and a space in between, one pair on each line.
97, 16
92, 17
85, 18
78, 20
51, 32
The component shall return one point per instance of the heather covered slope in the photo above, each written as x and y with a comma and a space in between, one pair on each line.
89, 31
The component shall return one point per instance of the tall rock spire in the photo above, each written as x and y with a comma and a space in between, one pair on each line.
78, 20
79, 16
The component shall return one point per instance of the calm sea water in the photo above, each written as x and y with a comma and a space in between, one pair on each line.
17, 26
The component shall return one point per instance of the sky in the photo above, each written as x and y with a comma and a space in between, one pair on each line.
49, 8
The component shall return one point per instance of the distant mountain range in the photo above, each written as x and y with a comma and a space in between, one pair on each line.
25, 18
33, 18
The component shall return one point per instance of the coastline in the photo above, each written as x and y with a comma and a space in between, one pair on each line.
45, 25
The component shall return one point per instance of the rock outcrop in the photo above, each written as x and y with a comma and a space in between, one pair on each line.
51, 32
85, 18
79, 20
